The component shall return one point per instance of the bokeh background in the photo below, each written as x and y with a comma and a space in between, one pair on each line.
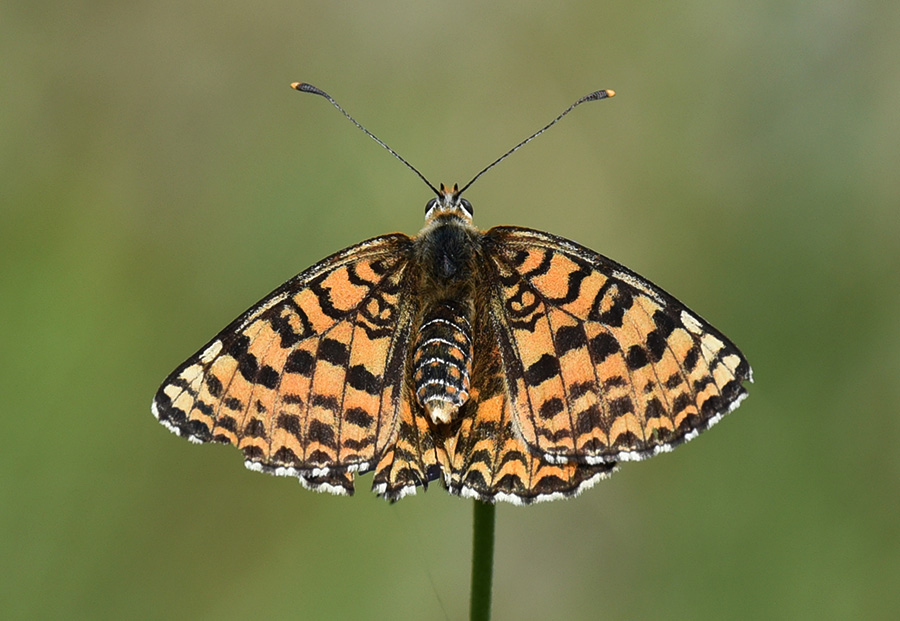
158, 177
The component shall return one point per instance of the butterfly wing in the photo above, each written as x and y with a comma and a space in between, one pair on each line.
487, 458
415, 458
602, 365
309, 382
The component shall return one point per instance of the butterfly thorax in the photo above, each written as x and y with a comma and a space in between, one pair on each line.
442, 359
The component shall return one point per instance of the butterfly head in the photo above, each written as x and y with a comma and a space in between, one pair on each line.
448, 203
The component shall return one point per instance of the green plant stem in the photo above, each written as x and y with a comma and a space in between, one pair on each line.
483, 520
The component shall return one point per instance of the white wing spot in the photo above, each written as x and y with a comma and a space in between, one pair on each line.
711, 343
731, 362
209, 354
691, 323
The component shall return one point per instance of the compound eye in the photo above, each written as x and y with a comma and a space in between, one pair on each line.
430, 204
467, 206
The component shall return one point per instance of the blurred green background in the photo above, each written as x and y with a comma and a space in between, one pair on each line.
159, 176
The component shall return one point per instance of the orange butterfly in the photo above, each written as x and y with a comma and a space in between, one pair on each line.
511, 364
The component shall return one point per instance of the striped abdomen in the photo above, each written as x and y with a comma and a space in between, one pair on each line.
442, 361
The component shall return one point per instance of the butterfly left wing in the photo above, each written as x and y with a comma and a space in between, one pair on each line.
600, 364
309, 382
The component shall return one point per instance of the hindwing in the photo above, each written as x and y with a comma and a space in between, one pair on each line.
488, 459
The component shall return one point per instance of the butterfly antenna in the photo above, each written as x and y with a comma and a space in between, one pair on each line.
309, 88
596, 95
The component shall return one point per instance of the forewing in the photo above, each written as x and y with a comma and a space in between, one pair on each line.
602, 365
488, 460
309, 381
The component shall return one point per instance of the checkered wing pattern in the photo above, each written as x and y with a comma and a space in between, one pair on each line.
600, 365
309, 382
416, 457
488, 459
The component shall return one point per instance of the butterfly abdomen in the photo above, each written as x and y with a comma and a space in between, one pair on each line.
442, 363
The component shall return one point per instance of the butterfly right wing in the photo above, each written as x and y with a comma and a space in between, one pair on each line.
601, 364
308, 382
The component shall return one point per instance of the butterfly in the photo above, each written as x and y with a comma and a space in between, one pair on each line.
510, 364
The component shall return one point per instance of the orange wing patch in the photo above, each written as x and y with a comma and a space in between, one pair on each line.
309, 382
603, 366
